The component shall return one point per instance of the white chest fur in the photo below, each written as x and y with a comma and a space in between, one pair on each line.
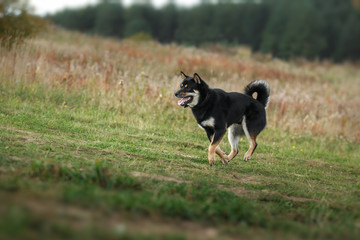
208, 123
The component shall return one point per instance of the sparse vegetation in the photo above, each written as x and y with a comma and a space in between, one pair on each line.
92, 144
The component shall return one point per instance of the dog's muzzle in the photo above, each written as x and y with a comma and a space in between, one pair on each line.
184, 100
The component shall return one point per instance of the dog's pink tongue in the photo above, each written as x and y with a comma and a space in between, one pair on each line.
183, 100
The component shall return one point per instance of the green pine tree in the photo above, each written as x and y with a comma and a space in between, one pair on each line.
349, 44
302, 35
109, 19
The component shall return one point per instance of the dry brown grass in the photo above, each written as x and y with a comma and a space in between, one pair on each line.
318, 98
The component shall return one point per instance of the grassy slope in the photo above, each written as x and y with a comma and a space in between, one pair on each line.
76, 162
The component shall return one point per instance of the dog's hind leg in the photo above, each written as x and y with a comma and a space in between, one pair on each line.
234, 133
251, 150
251, 134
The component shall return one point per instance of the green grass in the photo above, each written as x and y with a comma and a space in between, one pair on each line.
131, 165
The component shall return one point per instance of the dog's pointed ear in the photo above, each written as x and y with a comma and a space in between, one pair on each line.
184, 75
197, 78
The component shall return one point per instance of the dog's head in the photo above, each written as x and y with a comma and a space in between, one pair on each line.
190, 90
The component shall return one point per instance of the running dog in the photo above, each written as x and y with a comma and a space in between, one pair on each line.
216, 110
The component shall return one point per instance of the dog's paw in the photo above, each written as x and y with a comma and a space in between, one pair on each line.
211, 161
225, 160
247, 158
232, 155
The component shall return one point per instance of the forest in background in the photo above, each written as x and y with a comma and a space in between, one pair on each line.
94, 146
313, 29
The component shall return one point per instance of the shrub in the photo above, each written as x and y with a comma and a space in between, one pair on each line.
140, 37
16, 23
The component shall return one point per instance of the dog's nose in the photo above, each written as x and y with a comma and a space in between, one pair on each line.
176, 94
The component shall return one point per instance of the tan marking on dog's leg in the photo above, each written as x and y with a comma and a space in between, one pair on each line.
252, 147
212, 149
251, 140
223, 157
233, 154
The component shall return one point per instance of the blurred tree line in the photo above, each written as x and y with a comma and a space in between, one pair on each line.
324, 29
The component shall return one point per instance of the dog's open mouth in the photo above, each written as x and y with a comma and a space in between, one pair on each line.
185, 101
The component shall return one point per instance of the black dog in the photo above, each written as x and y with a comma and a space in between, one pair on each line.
216, 110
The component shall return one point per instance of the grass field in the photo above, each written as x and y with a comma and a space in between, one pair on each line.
94, 146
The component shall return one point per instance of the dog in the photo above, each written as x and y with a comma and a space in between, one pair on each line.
217, 111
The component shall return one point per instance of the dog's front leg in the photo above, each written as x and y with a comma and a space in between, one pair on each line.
215, 141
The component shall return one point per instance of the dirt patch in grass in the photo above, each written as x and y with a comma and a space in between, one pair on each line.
254, 194
117, 223
238, 190
247, 179
157, 177
298, 199
241, 191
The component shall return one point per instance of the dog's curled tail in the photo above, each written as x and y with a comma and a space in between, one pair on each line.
263, 91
